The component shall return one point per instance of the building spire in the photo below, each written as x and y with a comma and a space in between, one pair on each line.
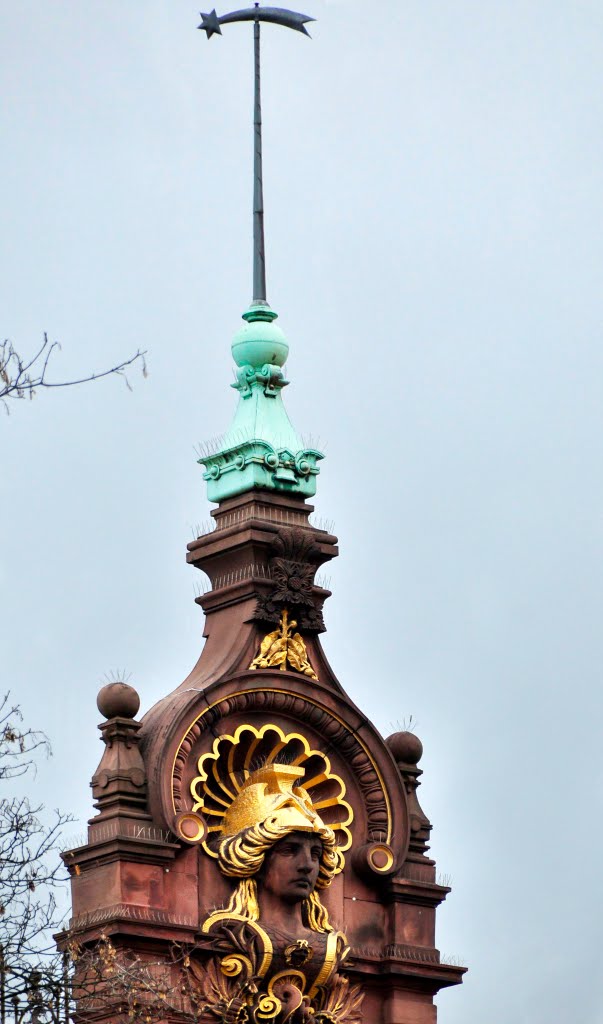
259, 247
261, 449
211, 24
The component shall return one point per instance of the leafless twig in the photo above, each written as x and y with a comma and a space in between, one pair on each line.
20, 377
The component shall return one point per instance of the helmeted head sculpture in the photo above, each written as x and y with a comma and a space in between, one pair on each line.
268, 808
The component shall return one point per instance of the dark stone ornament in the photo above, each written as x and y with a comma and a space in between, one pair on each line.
292, 570
298, 953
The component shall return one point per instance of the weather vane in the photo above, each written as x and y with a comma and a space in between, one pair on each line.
211, 23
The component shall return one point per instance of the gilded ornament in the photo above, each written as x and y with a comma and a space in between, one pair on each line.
271, 955
277, 700
284, 649
225, 771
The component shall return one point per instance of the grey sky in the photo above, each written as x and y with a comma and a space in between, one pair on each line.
434, 204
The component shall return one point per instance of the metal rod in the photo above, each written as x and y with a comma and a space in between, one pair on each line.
211, 25
259, 254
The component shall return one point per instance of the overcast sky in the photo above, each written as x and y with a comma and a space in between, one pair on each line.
434, 202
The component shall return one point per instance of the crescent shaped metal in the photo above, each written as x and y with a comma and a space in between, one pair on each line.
211, 24
276, 15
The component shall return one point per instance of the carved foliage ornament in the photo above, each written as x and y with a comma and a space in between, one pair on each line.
292, 570
235, 987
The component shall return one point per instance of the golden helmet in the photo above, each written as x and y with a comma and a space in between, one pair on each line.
270, 795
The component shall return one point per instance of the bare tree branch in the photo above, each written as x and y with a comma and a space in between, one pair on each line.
91, 981
30, 870
20, 378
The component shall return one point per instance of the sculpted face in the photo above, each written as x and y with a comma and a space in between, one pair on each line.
291, 868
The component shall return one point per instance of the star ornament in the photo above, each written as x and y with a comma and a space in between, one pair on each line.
211, 24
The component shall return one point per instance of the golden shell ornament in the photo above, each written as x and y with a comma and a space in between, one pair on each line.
257, 774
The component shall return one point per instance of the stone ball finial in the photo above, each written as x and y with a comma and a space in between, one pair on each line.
406, 747
118, 700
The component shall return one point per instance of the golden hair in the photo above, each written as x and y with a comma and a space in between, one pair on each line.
244, 900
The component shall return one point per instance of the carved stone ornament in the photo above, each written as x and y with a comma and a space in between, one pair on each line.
284, 649
292, 570
271, 954
331, 734
234, 987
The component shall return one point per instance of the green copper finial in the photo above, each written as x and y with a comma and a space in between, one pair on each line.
261, 449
